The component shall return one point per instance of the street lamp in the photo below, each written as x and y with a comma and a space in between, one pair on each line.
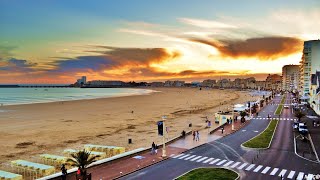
232, 126
163, 137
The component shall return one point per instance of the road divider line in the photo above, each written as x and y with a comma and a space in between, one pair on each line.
274, 171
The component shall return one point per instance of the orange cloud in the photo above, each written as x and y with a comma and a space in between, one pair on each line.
264, 48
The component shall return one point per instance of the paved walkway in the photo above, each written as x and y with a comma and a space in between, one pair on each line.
126, 165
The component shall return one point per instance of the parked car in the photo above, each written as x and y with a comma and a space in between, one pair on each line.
286, 106
302, 128
295, 125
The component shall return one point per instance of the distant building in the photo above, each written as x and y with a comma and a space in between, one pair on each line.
209, 83
290, 77
310, 63
101, 83
174, 83
195, 84
157, 84
273, 82
81, 81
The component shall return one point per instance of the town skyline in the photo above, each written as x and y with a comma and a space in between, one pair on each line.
56, 42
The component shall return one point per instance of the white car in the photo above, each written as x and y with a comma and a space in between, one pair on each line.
286, 106
303, 128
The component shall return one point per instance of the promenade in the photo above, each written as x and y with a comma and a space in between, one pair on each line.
126, 165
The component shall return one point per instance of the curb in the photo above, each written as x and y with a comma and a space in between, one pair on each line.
248, 148
209, 168
295, 151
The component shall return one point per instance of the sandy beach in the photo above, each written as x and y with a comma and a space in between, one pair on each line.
29, 130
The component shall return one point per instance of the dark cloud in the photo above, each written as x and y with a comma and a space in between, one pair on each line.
264, 48
17, 65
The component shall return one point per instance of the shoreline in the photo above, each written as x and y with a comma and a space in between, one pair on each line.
52, 127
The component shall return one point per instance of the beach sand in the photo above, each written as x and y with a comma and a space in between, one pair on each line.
29, 130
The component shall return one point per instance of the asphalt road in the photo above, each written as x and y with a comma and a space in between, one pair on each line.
280, 155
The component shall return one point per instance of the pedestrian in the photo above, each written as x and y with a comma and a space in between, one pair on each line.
222, 129
194, 135
228, 121
64, 172
257, 114
153, 148
197, 136
314, 123
156, 149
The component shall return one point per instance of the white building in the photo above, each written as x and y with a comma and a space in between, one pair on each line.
309, 64
290, 77
82, 80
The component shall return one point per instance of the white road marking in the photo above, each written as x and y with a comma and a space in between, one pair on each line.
228, 163
195, 158
221, 162
250, 167
214, 161
291, 174
235, 164
184, 156
171, 155
257, 169
202, 159
265, 170
255, 131
178, 155
189, 157
274, 171
282, 173
300, 176
208, 160
310, 177
244, 130
242, 166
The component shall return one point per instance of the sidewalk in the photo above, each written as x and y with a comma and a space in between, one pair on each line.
135, 162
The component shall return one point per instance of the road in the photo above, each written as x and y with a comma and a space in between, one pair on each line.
278, 160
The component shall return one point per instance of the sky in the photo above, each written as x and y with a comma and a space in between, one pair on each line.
57, 41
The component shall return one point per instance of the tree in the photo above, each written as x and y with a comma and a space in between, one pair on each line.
243, 114
299, 115
82, 159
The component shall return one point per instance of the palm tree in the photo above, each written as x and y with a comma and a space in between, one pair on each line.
243, 114
82, 159
299, 115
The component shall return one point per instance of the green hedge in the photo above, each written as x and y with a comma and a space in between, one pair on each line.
263, 140
210, 174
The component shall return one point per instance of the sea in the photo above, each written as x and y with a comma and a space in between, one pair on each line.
14, 96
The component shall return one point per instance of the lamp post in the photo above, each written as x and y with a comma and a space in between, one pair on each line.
232, 126
163, 137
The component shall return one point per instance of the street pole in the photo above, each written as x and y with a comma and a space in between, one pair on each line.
232, 126
163, 137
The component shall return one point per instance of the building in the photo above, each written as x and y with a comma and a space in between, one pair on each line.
82, 81
290, 77
157, 84
208, 83
101, 83
273, 82
174, 83
315, 92
309, 64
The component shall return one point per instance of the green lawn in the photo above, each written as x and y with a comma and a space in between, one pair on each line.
263, 140
279, 109
210, 174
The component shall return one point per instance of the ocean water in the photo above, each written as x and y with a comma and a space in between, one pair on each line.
13, 96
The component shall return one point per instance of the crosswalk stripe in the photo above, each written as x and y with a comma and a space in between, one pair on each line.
184, 156
171, 155
208, 160
300, 176
242, 166
178, 155
202, 159
310, 177
274, 171
228, 163
214, 161
282, 173
280, 118
250, 167
195, 158
235, 164
257, 169
189, 157
291, 119
265, 170
291, 174
221, 162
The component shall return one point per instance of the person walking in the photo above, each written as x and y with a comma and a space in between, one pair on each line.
194, 135
156, 149
153, 147
222, 129
197, 136
64, 172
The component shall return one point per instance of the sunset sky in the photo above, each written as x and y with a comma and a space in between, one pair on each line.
57, 41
